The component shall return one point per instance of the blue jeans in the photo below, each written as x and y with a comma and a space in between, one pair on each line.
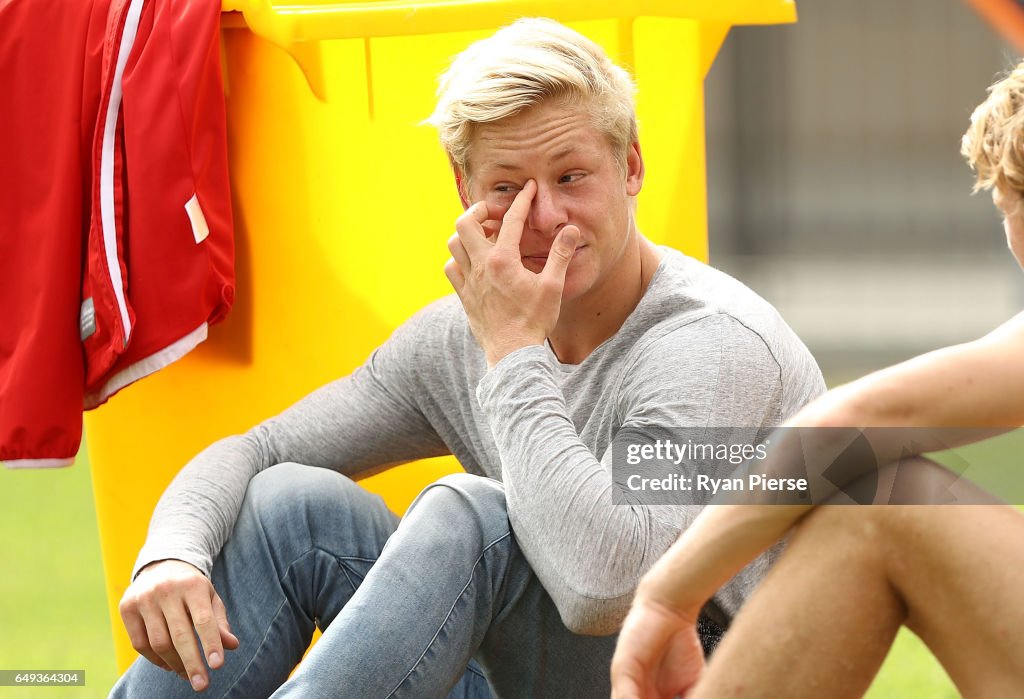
441, 603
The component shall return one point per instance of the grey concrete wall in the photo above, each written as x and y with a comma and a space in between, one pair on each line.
835, 182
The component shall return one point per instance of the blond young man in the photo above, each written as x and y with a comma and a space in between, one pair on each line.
567, 326
826, 615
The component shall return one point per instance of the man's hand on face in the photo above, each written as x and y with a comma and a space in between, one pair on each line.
509, 307
169, 602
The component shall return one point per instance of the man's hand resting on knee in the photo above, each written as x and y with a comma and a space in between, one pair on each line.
160, 609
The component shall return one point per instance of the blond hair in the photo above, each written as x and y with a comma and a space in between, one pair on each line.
994, 142
521, 65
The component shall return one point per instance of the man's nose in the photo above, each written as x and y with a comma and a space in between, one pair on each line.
547, 212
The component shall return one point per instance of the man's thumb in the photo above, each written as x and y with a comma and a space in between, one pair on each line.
565, 245
568, 238
561, 253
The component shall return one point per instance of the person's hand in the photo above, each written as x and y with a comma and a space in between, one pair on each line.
160, 609
508, 306
658, 654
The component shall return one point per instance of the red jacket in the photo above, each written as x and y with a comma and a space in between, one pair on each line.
115, 221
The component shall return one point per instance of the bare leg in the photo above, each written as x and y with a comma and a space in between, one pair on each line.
823, 620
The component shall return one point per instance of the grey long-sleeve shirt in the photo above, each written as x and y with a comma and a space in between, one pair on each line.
699, 350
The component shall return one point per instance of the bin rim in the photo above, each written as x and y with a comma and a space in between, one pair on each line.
290, 24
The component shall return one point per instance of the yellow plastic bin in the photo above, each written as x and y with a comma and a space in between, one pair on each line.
343, 205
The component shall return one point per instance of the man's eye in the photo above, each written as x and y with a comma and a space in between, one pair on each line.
570, 177
506, 188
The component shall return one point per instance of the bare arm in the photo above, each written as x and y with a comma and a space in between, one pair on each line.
973, 385
976, 384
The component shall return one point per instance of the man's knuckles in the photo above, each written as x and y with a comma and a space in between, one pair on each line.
454, 244
202, 618
500, 263
161, 645
180, 636
467, 220
451, 270
129, 606
177, 586
140, 642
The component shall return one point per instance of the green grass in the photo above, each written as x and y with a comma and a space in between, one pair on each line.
53, 612
911, 671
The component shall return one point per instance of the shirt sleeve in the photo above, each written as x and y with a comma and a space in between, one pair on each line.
357, 425
588, 552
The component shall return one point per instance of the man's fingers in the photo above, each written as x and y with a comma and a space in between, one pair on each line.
628, 689
470, 230
164, 608
560, 255
484, 211
459, 254
136, 628
491, 227
206, 623
182, 634
455, 276
623, 686
514, 221
159, 639
228, 639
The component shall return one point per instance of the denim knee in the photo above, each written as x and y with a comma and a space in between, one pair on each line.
303, 507
295, 483
469, 504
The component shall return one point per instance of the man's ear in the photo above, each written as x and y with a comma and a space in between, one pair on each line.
634, 169
460, 183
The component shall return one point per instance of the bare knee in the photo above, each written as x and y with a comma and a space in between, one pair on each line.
860, 526
865, 537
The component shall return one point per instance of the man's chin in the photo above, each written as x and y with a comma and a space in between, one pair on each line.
575, 287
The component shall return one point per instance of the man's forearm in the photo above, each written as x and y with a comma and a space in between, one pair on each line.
972, 385
722, 540
586, 551
196, 513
